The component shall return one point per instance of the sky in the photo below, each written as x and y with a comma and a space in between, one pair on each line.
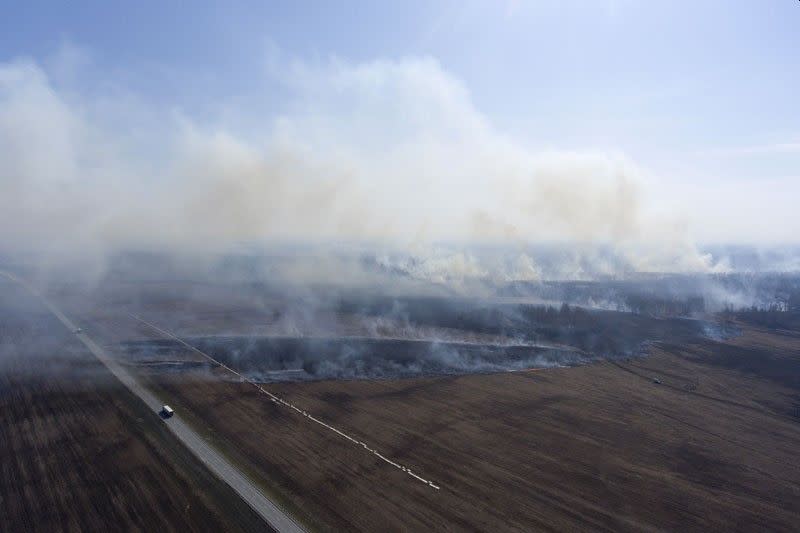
542, 120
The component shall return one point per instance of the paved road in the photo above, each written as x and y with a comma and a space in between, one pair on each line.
271, 513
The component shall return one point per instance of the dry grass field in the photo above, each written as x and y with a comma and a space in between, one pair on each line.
597, 447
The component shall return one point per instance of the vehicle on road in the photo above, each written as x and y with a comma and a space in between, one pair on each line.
166, 411
78, 330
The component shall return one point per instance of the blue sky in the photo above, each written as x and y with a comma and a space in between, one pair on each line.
701, 96
687, 72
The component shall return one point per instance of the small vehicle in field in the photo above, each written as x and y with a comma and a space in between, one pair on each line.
166, 411
657, 381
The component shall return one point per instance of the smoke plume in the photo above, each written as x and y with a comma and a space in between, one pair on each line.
390, 156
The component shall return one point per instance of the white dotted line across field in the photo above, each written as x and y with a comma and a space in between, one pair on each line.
283, 402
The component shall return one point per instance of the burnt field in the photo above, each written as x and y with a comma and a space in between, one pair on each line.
79, 452
595, 447
528, 417
314, 358
288, 359
369, 336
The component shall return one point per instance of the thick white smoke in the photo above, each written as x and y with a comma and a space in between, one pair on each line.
390, 153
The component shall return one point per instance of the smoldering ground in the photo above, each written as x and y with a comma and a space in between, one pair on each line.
258, 314
272, 331
378, 202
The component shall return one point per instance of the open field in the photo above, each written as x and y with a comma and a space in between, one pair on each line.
597, 447
445, 266
79, 452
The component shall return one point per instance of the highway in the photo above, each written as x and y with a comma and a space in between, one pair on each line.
218, 464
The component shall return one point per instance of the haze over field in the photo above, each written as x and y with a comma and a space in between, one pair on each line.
409, 154
462, 265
